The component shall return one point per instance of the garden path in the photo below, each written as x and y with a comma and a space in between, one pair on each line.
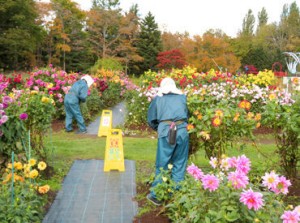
89, 195
118, 118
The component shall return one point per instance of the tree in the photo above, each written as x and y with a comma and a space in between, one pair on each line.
127, 50
106, 4
66, 34
149, 43
288, 28
19, 34
103, 27
172, 41
262, 18
212, 50
171, 59
248, 24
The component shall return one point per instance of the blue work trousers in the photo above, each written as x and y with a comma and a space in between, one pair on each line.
177, 155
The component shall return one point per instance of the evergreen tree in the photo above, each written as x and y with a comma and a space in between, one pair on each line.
149, 43
19, 34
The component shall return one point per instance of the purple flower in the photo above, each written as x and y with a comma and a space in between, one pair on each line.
23, 116
5, 105
7, 100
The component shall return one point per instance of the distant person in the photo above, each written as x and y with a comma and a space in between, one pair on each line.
78, 93
169, 108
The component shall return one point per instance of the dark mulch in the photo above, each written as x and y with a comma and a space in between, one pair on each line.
155, 214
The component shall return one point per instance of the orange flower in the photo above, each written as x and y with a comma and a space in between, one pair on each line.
199, 117
44, 189
257, 117
242, 104
257, 125
219, 113
245, 104
189, 127
196, 112
216, 121
295, 80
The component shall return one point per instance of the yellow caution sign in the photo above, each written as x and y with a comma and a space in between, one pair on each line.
105, 123
114, 155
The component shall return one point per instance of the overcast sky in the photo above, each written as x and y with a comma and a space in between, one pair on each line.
197, 16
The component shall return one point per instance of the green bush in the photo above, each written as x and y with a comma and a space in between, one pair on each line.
106, 64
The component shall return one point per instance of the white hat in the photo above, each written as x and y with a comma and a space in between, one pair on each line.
167, 85
89, 80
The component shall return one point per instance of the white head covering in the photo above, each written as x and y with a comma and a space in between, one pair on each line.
167, 85
89, 80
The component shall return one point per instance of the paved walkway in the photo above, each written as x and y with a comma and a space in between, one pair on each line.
118, 118
89, 195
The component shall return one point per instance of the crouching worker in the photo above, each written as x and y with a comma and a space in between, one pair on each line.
168, 114
78, 93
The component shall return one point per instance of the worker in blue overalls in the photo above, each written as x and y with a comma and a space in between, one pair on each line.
169, 107
78, 93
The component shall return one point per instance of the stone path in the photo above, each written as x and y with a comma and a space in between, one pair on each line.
89, 195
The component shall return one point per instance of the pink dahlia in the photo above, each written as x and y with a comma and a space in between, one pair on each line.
270, 180
232, 162
282, 185
238, 179
252, 199
243, 164
210, 182
290, 217
195, 171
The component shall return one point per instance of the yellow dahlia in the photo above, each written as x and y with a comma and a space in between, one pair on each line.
42, 165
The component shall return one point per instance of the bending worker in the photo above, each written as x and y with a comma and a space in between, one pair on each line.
168, 108
78, 93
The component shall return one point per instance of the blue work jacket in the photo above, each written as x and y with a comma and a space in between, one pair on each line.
169, 107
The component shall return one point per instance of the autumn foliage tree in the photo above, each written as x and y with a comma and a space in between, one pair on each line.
212, 50
171, 59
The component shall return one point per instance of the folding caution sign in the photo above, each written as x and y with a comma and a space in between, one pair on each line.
105, 123
114, 155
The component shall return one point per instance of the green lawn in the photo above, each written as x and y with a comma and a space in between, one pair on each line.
64, 148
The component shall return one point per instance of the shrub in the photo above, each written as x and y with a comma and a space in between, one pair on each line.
282, 114
12, 128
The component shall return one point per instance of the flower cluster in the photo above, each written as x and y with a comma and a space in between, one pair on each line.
19, 172
277, 184
236, 170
